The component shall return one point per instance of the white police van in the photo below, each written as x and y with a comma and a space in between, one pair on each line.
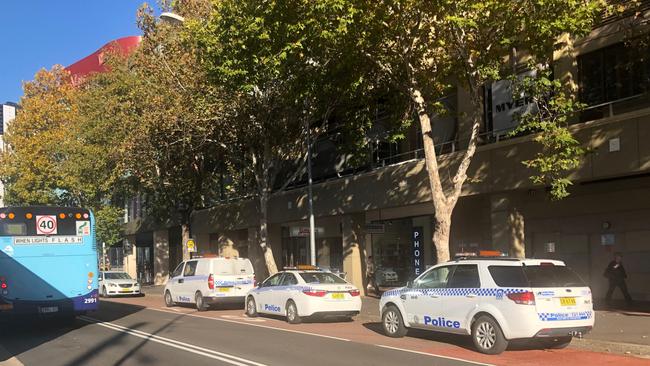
494, 301
304, 291
208, 281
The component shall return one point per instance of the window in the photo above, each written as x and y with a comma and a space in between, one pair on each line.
508, 276
117, 276
190, 269
273, 280
321, 277
552, 276
611, 74
179, 269
289, 280
13, 229
435, 278
465, 276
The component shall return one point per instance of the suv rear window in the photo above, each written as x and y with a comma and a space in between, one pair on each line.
535, 276
552, 276
508, 276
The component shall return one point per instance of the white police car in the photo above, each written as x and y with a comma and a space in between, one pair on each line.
116, 283
210, 280
494, 301
304, 292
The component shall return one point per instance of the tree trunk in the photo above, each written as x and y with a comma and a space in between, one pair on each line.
266, 249
442, 210
185, 233
442, 226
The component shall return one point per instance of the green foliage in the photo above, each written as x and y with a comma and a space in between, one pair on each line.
108, 223
560, 152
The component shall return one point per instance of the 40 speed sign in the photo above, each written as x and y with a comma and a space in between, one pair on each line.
45, 225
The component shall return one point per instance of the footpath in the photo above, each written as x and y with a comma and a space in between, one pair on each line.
616, 331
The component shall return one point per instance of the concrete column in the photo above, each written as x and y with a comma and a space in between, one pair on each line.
353, 242
161, 256
130, 264
507, 225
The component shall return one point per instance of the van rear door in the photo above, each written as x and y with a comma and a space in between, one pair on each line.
232, 277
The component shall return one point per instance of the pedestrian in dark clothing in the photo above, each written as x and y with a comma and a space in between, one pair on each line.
615, 273
370, 274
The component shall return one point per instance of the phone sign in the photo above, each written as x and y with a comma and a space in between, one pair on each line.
46, 225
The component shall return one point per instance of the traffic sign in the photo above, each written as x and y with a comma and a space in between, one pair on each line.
46, 225
191, 246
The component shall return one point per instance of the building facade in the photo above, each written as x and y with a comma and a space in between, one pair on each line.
385, 211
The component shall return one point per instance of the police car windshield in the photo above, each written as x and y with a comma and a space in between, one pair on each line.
117, 276
321, 277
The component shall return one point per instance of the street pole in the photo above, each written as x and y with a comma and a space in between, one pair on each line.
312, 229
104, 255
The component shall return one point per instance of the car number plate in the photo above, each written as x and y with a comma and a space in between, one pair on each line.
224, 289
49, 309
338, 296
125, 291
568, 301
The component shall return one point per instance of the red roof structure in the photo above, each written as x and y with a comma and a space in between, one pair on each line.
95, 61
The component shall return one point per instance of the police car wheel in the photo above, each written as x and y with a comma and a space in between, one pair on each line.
392, 322
200, 304
488, 337
169, 302
103, 293
558, 343
292, 313
251, 307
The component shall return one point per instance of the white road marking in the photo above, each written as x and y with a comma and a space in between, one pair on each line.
433, 355
233, 360
254, 325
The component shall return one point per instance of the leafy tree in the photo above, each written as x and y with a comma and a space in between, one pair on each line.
280, 61
60, 152
427, 47
560, 152
171, 120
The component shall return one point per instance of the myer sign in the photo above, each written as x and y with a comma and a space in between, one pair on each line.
418, 251
505, 108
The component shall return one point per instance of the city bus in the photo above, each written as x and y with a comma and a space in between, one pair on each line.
48, 262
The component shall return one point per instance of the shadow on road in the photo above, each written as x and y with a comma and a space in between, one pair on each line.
462, 341
22, 334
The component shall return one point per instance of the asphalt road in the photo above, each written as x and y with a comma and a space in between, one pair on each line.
124, 334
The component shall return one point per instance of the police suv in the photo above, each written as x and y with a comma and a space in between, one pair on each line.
210, 280
494, 301
302, 292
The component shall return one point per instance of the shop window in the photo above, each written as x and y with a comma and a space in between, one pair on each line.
435, 278
465, 276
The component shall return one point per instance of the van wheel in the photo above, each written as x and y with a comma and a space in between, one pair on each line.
200, 304
488, 337
392, 322
251, 307
292, 313
169, 301
557, 343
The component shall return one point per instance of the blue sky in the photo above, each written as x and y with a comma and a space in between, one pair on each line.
37, 34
